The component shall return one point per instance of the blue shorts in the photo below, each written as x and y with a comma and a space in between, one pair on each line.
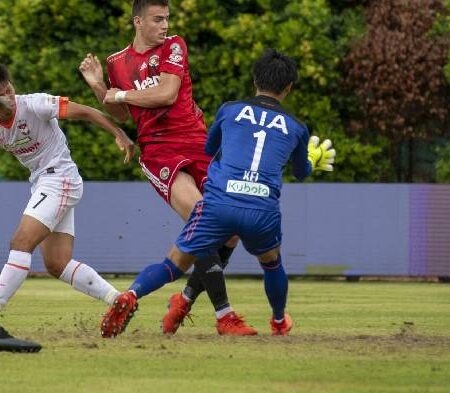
211, 225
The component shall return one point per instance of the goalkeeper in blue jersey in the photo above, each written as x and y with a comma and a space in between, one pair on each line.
252, 140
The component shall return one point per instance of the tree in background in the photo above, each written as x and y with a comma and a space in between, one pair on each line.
43, 43
442, 27
227, 37
396, 71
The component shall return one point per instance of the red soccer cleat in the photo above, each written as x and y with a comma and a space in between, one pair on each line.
179, 308
282, 328
232, 324
118, 315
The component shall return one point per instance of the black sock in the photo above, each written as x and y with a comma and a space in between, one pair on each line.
194, 286
225, 254
211, 276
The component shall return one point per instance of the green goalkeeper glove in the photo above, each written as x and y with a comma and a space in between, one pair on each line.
321, 156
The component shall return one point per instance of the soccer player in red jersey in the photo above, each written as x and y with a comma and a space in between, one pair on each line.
150, 82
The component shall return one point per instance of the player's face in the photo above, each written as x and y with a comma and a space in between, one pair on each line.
7, 100
152, 26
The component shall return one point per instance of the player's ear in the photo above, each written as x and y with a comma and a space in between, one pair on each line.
137, 21
287, 89
11, 89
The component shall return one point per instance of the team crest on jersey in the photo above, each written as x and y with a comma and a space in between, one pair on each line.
177, 53
164, 173
23, 127
153, 61
176, 49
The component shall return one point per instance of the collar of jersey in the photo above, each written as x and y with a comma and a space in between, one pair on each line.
131, 49
262, 98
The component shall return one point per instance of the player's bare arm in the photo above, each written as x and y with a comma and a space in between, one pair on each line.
92, 71
82, 112
164, 94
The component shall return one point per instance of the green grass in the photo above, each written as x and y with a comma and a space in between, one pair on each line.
348, 337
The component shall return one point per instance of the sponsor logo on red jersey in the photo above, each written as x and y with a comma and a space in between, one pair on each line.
150, 81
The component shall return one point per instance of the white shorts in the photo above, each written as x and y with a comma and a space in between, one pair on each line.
53, 200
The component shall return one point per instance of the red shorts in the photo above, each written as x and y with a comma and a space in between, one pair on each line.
161, 162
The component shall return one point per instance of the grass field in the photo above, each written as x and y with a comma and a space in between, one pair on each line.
349, 337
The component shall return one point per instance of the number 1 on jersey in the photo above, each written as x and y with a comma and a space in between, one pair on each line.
261, 138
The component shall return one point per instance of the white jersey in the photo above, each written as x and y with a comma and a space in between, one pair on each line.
34, 136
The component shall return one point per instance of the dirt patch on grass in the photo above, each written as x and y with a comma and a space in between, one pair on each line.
403, 338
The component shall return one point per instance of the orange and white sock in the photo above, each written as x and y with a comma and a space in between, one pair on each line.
85, 279
13, 274
223, 311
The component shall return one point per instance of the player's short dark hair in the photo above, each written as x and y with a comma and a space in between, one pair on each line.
4, 74
273, 71
139, 6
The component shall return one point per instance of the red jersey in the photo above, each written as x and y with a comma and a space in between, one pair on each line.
180, 122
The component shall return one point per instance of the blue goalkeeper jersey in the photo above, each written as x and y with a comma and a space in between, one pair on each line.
252, 141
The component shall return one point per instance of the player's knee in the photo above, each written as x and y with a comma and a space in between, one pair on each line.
269, 256
54, 267
20, 242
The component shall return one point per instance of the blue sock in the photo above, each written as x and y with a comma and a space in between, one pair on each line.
154, 277
276, 286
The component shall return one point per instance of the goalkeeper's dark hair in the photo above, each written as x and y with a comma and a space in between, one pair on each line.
273, 71
139, 6
4, 75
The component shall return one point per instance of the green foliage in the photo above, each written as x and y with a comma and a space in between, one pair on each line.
10, 168
43, 43
443, 164
226, 40
441, 28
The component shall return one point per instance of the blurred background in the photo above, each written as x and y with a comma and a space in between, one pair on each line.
374, 75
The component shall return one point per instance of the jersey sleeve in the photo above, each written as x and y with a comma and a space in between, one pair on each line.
174, 57
110, 73
49, 107
300, 164
215, 133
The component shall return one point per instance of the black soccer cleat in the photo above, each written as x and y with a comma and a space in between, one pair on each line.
11, 344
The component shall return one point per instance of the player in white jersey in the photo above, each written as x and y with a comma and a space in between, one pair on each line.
29, 130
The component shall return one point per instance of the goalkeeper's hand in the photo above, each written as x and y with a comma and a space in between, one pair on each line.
321, 156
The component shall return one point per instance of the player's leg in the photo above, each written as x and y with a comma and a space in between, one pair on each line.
261, 236
194, 286
28, 235
62, 194
150, 279
198, 170
208, 228
164, 169
276, 287
57, 251
39, 218
197, 235
208, 272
